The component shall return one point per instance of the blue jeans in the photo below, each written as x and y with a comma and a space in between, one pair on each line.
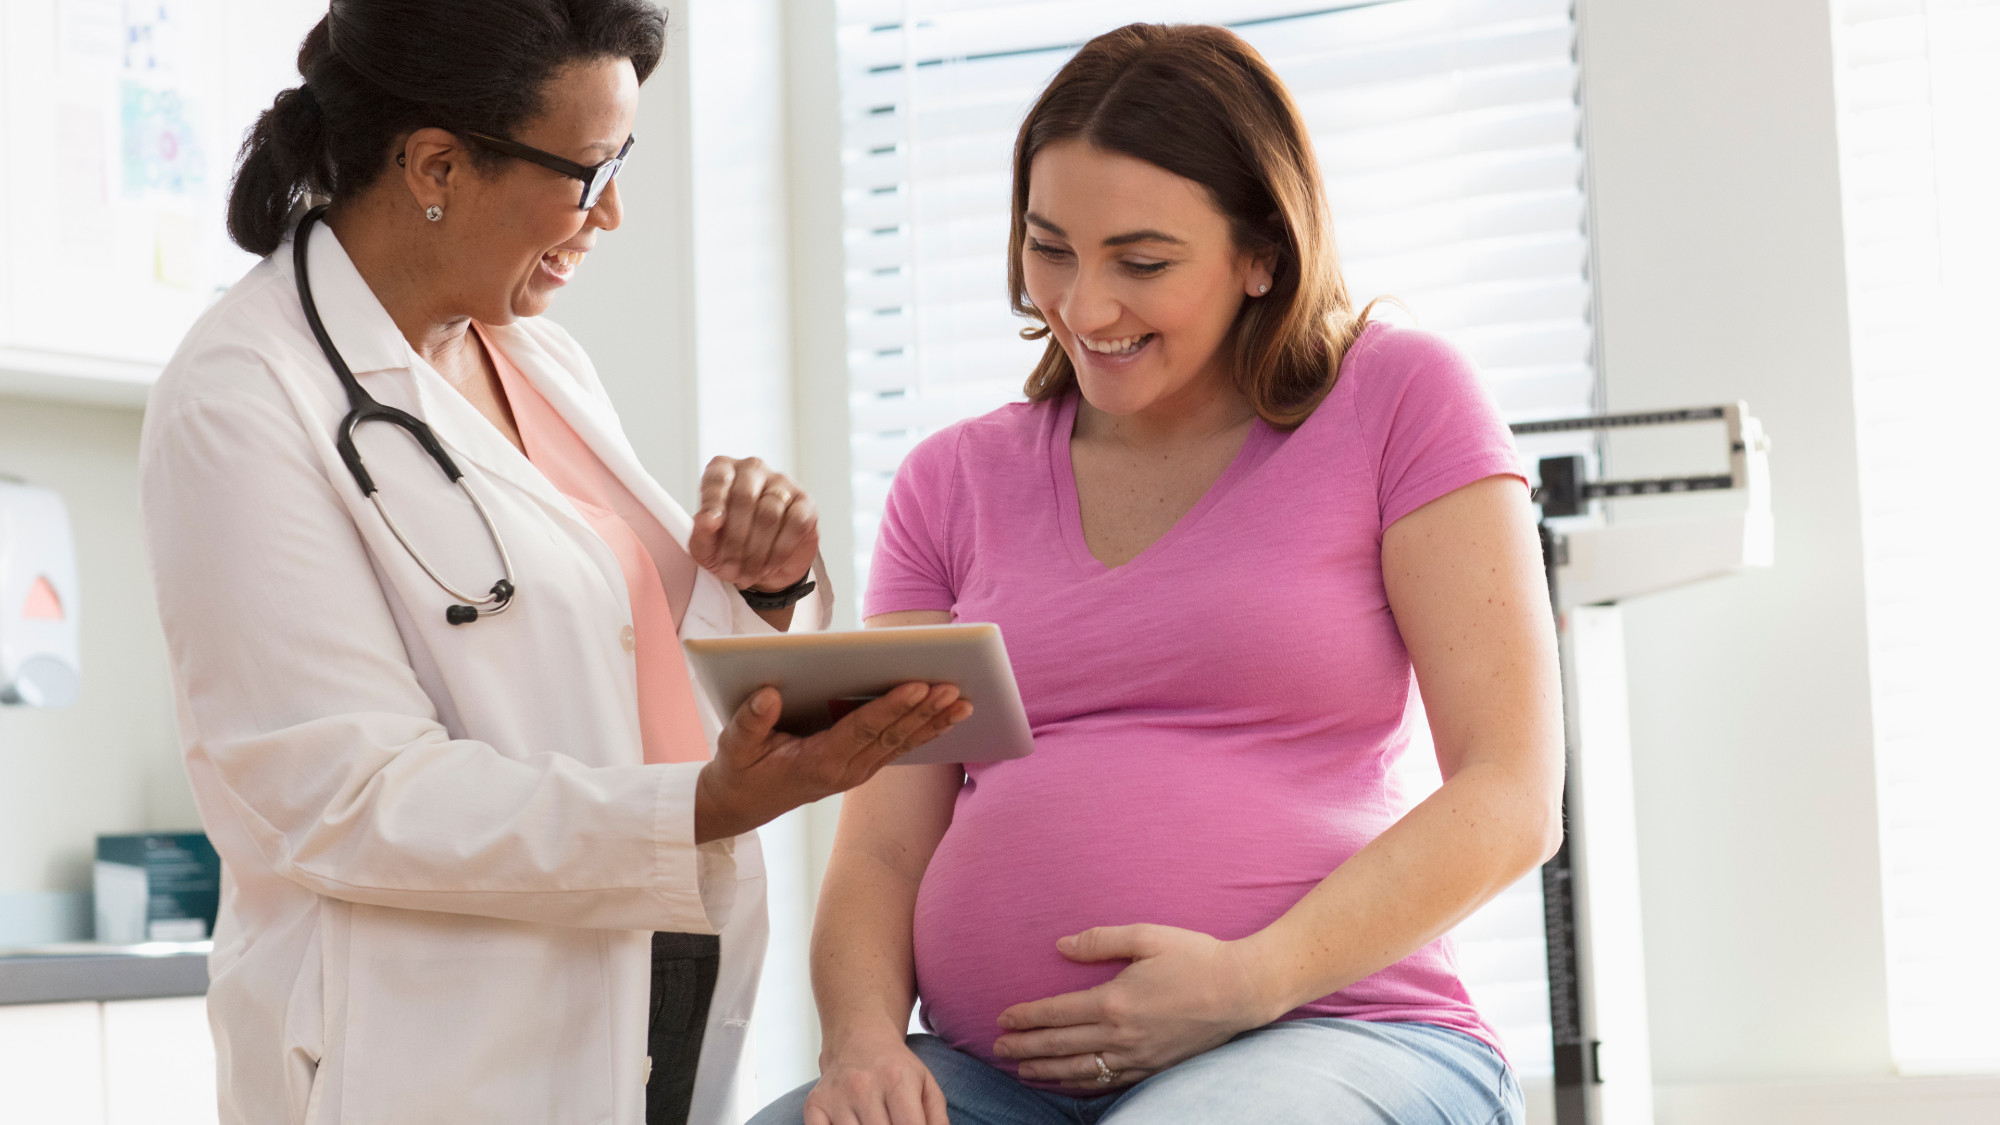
1298, 1072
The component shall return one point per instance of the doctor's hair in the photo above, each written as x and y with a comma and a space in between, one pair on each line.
1201, 103
376, 70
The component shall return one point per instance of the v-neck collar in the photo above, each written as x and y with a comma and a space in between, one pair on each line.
1069, 507
592, 421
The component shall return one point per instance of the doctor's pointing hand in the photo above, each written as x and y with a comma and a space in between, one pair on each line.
487, 855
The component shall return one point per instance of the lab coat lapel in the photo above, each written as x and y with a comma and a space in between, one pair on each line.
598, 426
360, 327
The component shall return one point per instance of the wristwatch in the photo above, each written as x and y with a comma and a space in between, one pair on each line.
780, 599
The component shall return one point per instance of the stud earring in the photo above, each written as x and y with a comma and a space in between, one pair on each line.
1263, 289
434, 212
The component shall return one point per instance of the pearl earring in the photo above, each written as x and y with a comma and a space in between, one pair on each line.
434, 212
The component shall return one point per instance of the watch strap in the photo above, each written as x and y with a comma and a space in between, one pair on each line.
780, 599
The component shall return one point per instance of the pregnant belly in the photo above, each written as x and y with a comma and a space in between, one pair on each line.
1029, 859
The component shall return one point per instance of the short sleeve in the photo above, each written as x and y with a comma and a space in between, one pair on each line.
911, 568
1432, 424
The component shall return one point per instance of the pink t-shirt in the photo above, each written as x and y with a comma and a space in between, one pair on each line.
1216, 722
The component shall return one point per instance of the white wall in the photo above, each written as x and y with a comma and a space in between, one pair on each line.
1719, 255
631, 305
111, 763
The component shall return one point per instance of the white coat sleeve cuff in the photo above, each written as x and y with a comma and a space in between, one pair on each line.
710, 869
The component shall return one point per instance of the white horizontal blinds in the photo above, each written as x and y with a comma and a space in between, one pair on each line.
1919, 88
1448, 134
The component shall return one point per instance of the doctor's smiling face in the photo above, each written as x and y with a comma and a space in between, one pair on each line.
511, 233
1137, 274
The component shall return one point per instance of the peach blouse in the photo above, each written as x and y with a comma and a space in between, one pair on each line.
659, 574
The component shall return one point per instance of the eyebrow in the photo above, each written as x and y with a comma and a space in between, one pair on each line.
1126, 239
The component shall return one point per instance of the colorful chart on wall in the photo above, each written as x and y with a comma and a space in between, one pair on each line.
119, 125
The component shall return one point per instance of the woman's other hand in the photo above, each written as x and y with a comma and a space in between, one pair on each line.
755, 528
1183, 993
879, 1081
759, 774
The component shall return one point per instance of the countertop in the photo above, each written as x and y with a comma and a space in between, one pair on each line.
53, 974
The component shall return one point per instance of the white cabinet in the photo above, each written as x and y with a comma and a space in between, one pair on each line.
159, 1062
52, 1064
125, 1062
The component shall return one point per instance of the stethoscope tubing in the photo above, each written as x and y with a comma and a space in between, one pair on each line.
362, 407
494, 598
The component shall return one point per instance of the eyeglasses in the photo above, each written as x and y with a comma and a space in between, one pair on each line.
595, 177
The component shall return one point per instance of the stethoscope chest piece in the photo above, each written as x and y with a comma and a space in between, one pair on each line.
362, 407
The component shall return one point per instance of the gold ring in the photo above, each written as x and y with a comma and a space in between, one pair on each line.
1105, 1075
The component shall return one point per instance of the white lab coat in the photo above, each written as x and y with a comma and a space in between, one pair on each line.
442, 851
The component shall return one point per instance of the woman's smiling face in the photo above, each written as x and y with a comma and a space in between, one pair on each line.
518, 226
1137, 274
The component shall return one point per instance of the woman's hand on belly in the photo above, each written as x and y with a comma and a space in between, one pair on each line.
879, 1081
1183, 993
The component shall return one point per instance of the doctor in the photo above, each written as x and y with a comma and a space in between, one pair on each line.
476, 851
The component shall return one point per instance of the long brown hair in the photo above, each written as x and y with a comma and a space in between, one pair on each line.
1201, 103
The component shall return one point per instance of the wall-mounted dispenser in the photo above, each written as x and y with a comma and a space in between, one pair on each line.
38, 599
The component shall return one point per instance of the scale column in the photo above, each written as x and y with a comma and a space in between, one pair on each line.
1597, 970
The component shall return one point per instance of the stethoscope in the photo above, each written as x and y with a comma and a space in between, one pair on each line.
366, 409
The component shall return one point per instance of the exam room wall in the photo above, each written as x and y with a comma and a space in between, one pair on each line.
1719, 266
111, 763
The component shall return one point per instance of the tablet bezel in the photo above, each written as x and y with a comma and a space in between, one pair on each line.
809, 669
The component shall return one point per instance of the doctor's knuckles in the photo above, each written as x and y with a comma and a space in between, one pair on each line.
755, 528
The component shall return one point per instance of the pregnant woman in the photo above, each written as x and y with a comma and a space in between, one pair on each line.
1231, 530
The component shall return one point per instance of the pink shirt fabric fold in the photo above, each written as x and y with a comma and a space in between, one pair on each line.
659, 574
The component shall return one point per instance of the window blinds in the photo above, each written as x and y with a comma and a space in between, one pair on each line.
1919, 88
1448, 132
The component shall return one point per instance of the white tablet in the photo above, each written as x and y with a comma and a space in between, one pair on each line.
822, 676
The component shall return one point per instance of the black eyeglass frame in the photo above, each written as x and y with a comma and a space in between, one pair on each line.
595, 177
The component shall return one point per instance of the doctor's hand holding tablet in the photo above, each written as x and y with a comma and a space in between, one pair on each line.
758, 531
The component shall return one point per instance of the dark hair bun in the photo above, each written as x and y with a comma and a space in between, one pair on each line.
377, 69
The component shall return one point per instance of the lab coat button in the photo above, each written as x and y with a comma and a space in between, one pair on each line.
646, 1079
626, 638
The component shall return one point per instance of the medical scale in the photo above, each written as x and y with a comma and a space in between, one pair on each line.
1590, 889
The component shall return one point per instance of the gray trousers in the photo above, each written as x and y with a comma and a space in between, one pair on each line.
684, 967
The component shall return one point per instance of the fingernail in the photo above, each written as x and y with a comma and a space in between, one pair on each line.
1002, 1051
